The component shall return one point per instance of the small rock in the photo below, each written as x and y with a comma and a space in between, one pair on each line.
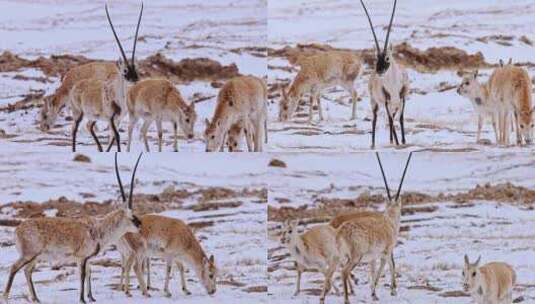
81, 158
277, 163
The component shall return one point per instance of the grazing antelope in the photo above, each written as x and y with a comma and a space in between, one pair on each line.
484, 106
173, 241
54, 103
132, 249
388, 85
367, 238
50, 239
318, 72
491, 283
510, 87
241, 99
96, 100
159, 100
314, 249
235, 135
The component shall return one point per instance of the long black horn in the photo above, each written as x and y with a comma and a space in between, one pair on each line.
115, 35
390, 25
371, 26
137, 31
384, 176
119, 179
132, 182
403, 176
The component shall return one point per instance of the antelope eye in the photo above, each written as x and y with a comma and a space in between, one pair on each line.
285, 108
290, 231
521, 126
211, 276
212, 137
463, 273
235, 144
187, 120
473, 274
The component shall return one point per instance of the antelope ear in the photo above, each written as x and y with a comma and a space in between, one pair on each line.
192, 105
212, 260
501, 63
466, 261
476, 73
477, 262
207, 122
294, 223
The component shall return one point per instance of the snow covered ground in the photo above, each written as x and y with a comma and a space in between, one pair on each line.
225, 200
436, 232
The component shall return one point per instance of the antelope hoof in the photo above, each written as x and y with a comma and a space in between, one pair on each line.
91, 299
347, 301
36, 300
146, 295
82, 301
167, 294
374, 297
393, 292
128, 294
186, 291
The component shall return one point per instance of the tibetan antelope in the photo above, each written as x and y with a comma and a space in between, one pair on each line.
484, 107
510, 87
173, 241
318, 72
235, 135
54, 103
159, 100
367, 238
314, 249
388, 85
491, 283
241, 99
50, 239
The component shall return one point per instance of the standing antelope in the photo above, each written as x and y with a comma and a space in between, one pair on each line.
173, 241
159, 100
53, 104
491, 283
314, 249
366, 238
484, 106
388, 85
241, 99
50, 239
510, 87
317, 73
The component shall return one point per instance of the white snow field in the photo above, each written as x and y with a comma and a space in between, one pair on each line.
491, 220
224, 199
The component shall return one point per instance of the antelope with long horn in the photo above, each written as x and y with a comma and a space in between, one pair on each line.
388, 85
79, 239
366, 238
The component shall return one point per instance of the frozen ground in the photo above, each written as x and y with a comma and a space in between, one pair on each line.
436, 232
440, 120
221, 30
224, 200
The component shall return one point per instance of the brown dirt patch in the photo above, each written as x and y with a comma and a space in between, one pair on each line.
153, 66
426, 61
323, 209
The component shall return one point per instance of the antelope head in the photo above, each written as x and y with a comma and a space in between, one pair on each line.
131, 222
393, 201
471, 274
384, 56
128, 68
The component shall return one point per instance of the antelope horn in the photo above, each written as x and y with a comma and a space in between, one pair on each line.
115, 35
384, 177
119, 179
371, 26
403, 176
137, 31
132, 182
390, 25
